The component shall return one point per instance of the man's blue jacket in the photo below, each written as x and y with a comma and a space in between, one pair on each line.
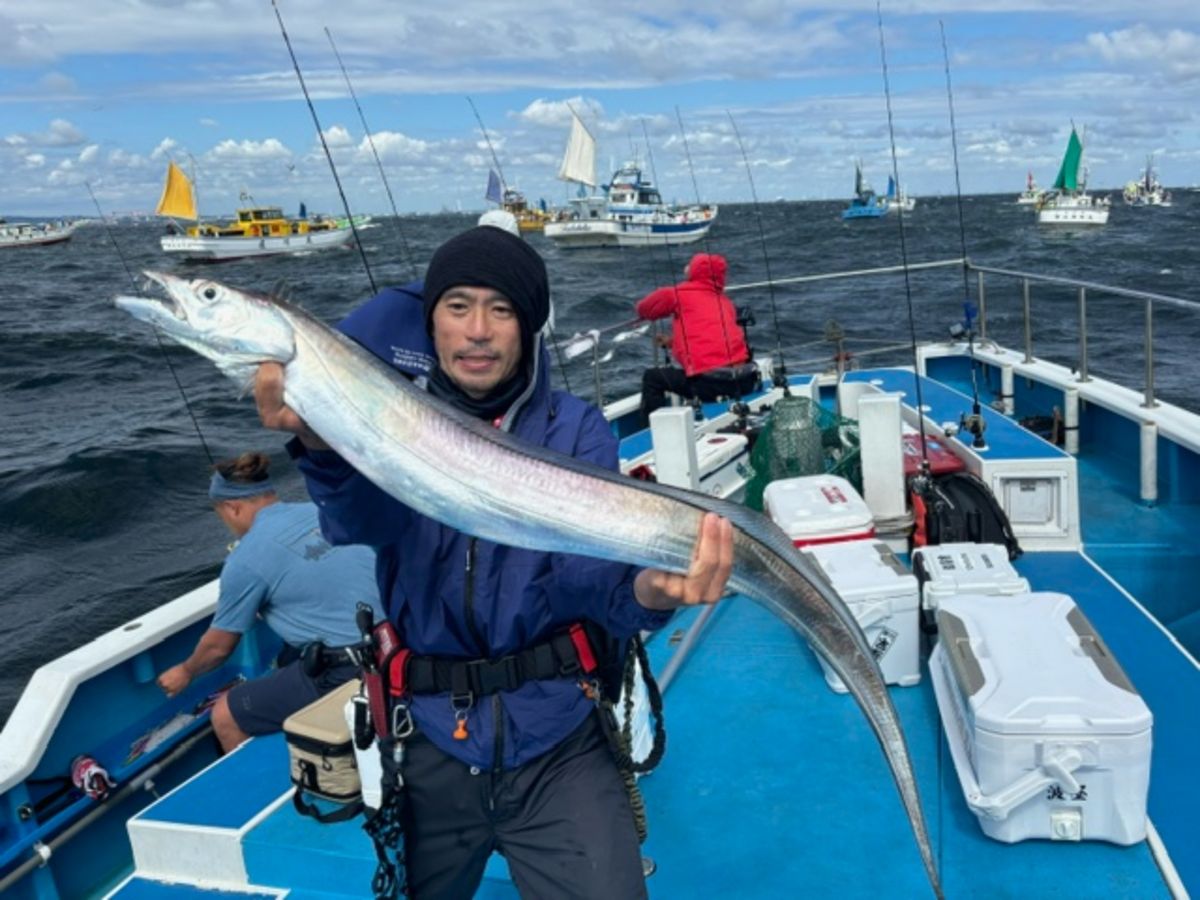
451, 595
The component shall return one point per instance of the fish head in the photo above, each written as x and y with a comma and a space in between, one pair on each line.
235, 329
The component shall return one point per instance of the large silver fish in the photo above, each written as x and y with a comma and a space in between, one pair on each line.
482, 481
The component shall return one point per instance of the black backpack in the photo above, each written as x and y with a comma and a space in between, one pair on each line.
957, 507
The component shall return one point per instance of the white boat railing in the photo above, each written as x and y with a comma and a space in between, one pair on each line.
1027, 279
1082, 288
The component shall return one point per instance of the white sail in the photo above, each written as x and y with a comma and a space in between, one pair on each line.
579, 160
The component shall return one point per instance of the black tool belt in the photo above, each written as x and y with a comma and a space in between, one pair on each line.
558, 657
315, 658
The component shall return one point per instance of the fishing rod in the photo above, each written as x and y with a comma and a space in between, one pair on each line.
492, 150
562, 363
717, 290
157, 336
687, 155
329, 156
974, 424
379, 163
778, 368
922, 483
912, 327
670, 257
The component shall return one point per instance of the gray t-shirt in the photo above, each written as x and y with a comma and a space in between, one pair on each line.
305, 589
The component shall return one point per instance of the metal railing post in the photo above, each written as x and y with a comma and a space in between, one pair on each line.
1083, 356
1150, 401
596, 373
982, 307
1028, 321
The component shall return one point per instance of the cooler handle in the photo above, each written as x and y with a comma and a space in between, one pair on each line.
1055, 769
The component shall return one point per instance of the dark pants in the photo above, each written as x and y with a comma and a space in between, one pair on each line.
260, 705
707, 387
562, 821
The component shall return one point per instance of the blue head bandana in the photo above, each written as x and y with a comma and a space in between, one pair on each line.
221, 488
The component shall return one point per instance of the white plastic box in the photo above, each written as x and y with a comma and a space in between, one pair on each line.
883, 597
818, 509
1049, 738
946, 570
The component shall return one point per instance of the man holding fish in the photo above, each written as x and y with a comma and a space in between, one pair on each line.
512, 757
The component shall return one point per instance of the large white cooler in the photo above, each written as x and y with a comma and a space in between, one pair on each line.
1049, 738
818, 509
947, 570
882, 594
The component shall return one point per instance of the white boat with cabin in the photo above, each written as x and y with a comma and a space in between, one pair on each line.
627, 212
33, 234
1032, 193
1068, 202
1147, 191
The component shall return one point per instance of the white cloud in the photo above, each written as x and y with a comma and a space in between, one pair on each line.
271, 148
35, 160
164, 148
1176, 52
89, 153
208, 122
393, 146
57, 83
338, 136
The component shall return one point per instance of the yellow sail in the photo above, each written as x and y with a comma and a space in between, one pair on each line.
177, 200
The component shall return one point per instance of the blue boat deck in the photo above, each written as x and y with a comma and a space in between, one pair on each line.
774, 785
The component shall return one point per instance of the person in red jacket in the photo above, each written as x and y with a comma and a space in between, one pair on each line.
706, 340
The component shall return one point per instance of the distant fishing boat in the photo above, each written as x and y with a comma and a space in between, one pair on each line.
529, 218
865, 204
1068, 202
627, 212
897, 198
34, 234
1147, 191
1032, 193
257, 230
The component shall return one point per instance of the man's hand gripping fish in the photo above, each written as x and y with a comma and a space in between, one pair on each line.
485, 482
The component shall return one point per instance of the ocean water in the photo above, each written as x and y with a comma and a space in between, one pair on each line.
103, 507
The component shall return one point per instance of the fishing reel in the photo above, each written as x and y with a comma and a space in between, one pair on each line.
974, 424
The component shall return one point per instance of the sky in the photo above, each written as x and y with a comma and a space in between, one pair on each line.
718, 101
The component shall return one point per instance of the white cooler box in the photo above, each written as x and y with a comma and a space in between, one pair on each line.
818, 509
1049, 738
882, 594
946, 570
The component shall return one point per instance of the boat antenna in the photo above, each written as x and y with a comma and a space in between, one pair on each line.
975, 422
157, 336
492, 150
371, 140
329, 156
778, 369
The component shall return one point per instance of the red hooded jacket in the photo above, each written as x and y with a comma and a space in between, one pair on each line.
705, 333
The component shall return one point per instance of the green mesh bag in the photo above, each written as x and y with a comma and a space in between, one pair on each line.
803, 438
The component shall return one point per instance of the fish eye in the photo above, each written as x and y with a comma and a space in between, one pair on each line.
209, 293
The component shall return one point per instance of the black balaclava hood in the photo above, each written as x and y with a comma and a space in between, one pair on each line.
487, 256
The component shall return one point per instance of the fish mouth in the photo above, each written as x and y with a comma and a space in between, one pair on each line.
171, 286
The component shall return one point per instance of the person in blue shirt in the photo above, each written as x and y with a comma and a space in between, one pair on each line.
506, 761
283, 570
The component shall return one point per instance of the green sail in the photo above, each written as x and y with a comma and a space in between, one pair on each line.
1069, 173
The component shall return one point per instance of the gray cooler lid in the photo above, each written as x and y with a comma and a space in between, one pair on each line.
1033, 664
